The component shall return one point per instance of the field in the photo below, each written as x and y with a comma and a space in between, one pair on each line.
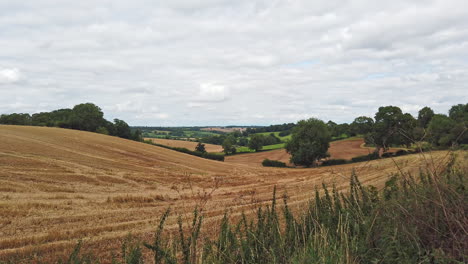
343, 149
224, 129
58, 186
185, 144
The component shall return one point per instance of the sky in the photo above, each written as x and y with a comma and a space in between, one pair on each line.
224, 62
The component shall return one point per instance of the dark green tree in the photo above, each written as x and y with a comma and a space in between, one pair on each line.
424, 116
200, 147
256, 142
229, 145
122, 129
16, 119
362, 125
87, 117
440, 129
391, 127
459, 113
309, 142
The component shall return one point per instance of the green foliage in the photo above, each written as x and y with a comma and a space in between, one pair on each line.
362, 125
86, 117
200, 147
425, 116
16, 119
331, 162
122, 129
309, 142
368, 157
440, 129
459, 113
256, 142
229, 145
273, 163
102, 130
391, 127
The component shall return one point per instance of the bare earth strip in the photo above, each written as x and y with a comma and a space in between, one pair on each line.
185, 144
58, 186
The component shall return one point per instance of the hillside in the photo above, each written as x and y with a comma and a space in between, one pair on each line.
59, 185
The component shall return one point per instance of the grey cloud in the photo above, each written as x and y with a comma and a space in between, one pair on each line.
219, 62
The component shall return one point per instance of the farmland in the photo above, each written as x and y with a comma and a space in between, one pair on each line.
59, 185
185, 144
342, 149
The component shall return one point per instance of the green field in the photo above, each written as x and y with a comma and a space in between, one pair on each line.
283, 139
186, 134
269, 147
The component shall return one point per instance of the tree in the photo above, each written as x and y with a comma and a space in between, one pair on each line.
309, 142
459, 113
16, 119
228, 145
200, 147
122, 129
256, 142
424, 116
102, 130
362, 125
136, 135
391, 127
440, 129
87, 117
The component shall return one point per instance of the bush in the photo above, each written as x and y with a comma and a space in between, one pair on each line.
213, 156
401, 152
332, 162
368, 157
387, 155
273, 163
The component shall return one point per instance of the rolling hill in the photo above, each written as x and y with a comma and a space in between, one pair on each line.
58, 186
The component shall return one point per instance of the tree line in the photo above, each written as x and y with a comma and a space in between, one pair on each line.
390, 126
86, 117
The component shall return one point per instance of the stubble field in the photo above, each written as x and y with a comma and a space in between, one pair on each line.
58, 186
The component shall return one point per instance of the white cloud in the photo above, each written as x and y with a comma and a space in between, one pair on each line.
224, 62
9, 75
210, 92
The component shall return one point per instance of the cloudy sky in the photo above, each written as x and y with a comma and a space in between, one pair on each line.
222, 62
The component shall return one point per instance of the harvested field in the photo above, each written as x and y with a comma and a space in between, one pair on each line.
343, 149
185, 144
58, 186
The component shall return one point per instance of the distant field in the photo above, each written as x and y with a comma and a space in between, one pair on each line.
268, 147
283, 139
60, 185
342, 149
185, 144
224, 129
186, 134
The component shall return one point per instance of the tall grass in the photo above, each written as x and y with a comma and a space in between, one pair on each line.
414, 219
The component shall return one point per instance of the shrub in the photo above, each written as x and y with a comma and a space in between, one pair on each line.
401, 152
213, 156
368, 157
273, 163
332, 162
387, 155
